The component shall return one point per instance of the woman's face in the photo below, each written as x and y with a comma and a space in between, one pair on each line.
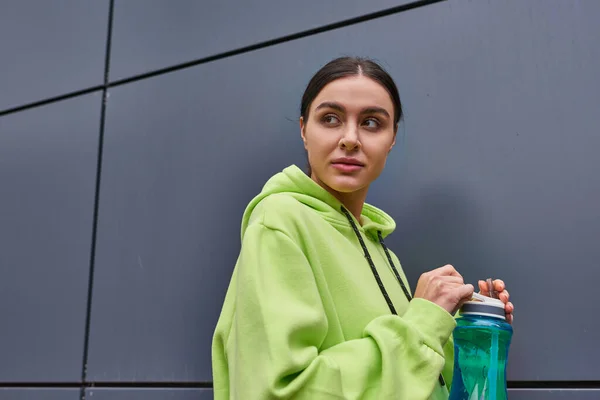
349, 132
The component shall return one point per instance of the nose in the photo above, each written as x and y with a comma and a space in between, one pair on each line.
350, 140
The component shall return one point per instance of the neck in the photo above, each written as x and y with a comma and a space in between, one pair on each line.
353, 201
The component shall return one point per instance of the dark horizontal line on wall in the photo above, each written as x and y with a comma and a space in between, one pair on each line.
52, 100
231, 53
48, 385
175, 385
116, 385
283, 39
553, 384
547, 385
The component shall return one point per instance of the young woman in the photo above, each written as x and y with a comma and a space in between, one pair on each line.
318, 307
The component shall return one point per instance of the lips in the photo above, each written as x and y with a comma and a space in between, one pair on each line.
347, 165
348, 161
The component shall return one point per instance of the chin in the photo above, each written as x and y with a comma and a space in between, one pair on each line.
346, 184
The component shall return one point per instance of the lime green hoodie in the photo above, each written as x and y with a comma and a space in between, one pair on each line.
304, 317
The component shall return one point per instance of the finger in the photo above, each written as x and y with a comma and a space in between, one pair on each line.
509, 318
460, 304
448, 279
509, 307
483, 289
465, 291
446, 270
499, 285
504, 296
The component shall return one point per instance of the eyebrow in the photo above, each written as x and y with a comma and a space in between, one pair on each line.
340, 108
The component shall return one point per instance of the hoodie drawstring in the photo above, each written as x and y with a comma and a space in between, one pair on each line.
376, 274
387, 253
372, 264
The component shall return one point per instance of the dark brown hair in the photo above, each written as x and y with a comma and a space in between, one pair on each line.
350, 66
343, 67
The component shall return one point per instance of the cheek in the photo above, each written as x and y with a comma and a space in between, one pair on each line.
319, 142
378, 154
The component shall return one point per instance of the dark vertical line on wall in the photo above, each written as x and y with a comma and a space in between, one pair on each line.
84, 367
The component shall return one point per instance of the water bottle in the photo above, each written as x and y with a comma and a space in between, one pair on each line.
481, 342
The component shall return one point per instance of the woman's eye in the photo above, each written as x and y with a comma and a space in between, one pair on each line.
371, 123
330, 120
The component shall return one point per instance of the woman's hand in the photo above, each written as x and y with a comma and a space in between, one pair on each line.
503, 295
445, 287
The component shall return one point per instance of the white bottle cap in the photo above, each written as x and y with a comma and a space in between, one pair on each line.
483, 305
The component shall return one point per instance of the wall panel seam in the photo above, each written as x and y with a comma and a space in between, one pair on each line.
227, 54
84, 366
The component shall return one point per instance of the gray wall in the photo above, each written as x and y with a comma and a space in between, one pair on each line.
113, 277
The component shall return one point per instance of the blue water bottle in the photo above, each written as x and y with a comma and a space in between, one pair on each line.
481, 342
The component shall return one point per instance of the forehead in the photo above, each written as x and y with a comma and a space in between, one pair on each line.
355, 92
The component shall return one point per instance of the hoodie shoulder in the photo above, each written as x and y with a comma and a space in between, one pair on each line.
277, 211
291, 198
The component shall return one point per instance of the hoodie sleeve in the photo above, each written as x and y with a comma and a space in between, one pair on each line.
448, 369
279, 324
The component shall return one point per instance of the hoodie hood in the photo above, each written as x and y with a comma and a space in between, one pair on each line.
295, 183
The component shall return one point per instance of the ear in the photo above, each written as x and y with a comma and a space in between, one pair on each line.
303, 131
394, 139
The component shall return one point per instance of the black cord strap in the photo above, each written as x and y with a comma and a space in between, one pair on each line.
400, 281
376, 274
371, 263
